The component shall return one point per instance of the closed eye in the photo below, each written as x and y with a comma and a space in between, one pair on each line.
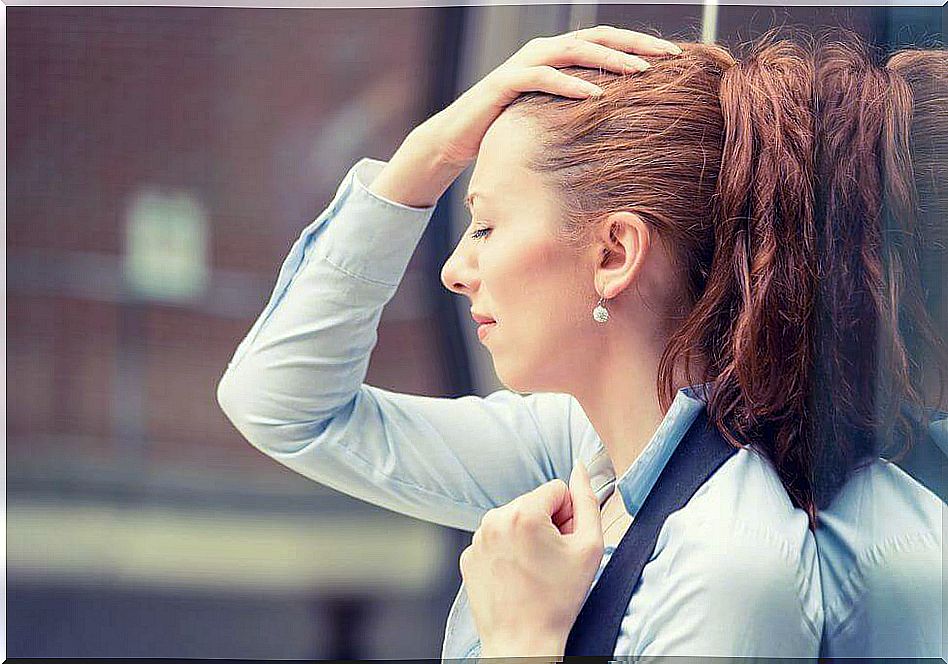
477, 233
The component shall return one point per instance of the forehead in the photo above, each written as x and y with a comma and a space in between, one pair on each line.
501, 162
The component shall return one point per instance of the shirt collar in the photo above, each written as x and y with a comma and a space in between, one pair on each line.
637, 481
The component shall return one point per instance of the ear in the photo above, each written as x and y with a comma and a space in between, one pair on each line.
624, 244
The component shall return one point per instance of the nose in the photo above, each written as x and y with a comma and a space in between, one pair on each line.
457, 274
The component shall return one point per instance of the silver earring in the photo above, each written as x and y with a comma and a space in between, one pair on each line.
600, 314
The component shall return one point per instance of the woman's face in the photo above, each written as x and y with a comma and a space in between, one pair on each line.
508, 263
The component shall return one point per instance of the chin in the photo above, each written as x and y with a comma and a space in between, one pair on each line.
514, 382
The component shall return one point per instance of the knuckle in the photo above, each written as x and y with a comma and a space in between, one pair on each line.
593, 546
571, 44
491, 523
517, 518
554, 487
536, 43
559, 483
511, 79
532, 519
546, 75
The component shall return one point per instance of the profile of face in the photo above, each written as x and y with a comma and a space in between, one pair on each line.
514, 270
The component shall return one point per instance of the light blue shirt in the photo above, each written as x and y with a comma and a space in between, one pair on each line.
882, 566
734, 573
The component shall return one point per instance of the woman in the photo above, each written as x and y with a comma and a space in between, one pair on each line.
596, 222
880, 253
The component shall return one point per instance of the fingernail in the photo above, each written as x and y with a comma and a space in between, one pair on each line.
593, 89
635, 63
671, 47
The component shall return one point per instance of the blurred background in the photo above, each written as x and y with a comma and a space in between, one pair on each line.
161, 161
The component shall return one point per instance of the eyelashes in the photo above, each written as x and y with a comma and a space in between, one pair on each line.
477, 233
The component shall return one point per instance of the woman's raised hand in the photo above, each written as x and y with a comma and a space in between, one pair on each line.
463, 124
438, 150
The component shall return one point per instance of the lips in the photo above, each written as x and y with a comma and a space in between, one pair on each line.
482, 319
484, 328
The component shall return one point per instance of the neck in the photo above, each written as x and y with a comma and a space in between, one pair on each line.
621, 399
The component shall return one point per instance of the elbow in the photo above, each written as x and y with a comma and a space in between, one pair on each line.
224, 399
236, 401
227, 399
269, 427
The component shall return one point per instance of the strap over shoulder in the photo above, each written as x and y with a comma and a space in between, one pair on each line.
699, 454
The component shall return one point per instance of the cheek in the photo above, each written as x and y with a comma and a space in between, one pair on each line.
525, 272
546, 260
543, 281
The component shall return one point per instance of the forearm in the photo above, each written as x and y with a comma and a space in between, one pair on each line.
308, 352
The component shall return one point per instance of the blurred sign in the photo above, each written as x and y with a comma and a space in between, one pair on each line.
166, 246
222, 549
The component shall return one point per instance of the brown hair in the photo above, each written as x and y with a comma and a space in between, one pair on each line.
881, 134
926, 73
784, 186
718, 156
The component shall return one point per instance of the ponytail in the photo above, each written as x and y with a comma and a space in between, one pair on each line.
872, 324
925, 73
754, 320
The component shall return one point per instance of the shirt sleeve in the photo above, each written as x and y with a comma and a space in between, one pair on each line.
294, 388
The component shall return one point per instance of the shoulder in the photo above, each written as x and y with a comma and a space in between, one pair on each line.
753, 548
744, 497
552, 410
880, 546
881, 502
734, 572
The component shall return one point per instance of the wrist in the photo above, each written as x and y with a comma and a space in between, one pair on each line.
549, 648
417, 174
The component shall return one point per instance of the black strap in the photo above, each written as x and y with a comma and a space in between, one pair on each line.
701, 452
